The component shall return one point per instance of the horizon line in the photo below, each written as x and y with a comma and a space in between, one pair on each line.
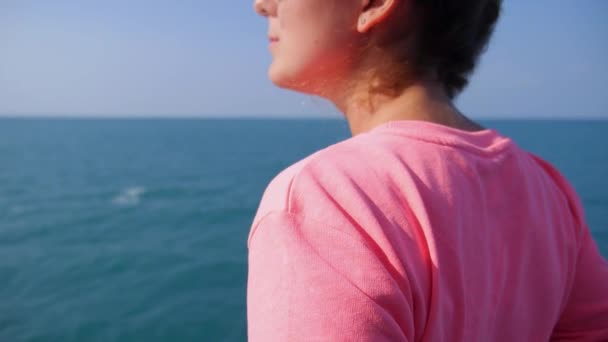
262, 117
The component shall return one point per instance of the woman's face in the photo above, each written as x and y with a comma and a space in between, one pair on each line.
313, 42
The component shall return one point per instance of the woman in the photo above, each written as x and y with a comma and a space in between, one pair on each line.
423, 226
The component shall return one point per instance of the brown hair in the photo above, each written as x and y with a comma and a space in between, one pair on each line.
441, 39
451, 35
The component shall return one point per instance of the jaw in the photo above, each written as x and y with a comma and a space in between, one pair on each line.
326, 74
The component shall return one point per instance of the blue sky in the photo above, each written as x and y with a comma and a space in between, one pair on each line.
209, 58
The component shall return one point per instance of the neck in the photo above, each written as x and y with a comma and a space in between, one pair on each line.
419, 100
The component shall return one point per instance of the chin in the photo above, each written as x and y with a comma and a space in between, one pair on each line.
279, 74
283, 77
276, 76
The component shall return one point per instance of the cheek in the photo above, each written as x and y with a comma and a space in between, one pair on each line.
315, 36
302, 31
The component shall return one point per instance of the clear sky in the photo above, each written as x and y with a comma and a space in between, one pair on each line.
548, 58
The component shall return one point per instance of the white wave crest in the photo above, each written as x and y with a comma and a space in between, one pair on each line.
129, 196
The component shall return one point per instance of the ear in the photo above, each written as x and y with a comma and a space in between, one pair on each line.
374, 12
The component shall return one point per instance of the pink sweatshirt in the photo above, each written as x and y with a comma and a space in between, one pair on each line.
415, 231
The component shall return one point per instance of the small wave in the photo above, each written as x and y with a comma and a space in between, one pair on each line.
129, 196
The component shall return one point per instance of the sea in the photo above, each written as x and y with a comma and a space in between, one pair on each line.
136, 229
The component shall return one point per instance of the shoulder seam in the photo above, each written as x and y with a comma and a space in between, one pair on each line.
287, 207
294, 216
313, 158
257, 224
290, 187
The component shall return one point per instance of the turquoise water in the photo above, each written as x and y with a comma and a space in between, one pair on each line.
135, 230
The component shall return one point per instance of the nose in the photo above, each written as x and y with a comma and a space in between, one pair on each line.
265, 8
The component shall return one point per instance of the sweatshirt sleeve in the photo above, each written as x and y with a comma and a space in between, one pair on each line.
308, 281
585, 317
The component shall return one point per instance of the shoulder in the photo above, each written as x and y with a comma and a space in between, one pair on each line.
564, 186
318, 183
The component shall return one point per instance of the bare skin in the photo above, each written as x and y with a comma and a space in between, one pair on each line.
316, 47
422, 100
